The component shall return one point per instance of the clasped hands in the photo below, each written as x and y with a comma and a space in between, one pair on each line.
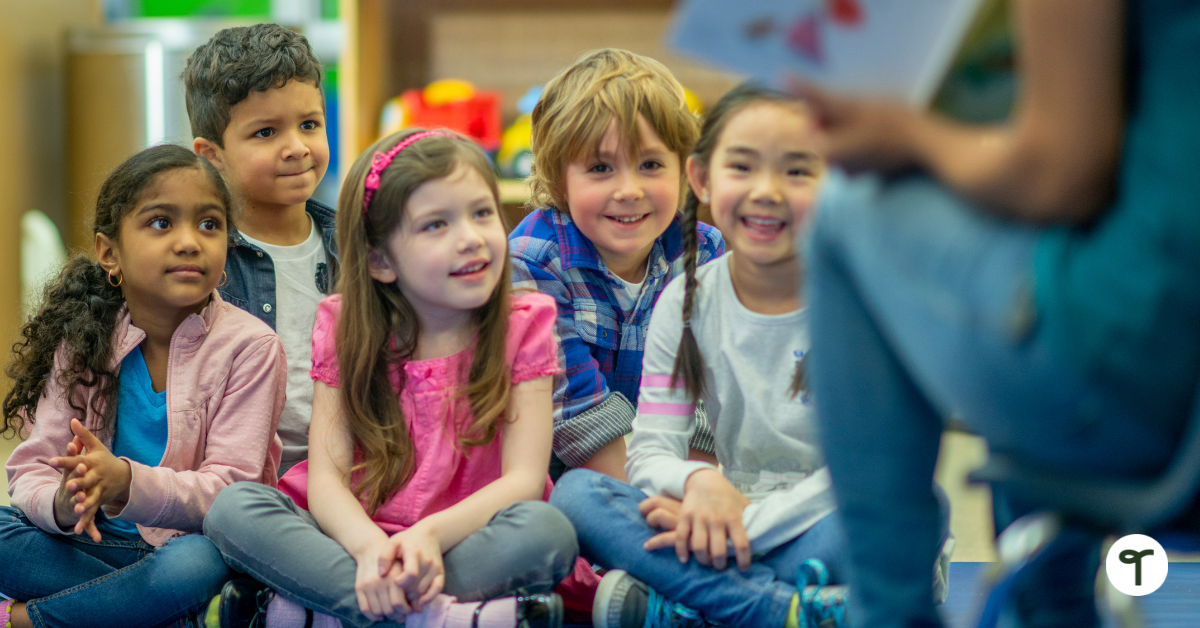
704, 524
400, 574
91, 477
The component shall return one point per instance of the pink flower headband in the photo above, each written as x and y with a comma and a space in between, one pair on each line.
382, 160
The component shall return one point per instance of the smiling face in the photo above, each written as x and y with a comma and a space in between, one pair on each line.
276, 149
170, 251
448, 253
623, 202
761, 181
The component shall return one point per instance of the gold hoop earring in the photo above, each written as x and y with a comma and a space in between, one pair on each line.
224, 279
120, 279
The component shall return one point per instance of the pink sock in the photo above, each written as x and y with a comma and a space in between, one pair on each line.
445, 612
284, 613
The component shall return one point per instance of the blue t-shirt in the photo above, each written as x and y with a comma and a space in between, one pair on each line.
1121, 298
141, 432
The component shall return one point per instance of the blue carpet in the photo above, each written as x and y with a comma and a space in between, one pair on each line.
1175, 605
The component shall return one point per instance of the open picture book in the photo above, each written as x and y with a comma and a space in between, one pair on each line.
892, 48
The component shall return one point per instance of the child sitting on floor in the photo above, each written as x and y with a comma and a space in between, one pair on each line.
147, 395
610, 134
431, 423
734, 335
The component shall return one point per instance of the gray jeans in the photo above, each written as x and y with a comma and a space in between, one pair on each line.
527, 547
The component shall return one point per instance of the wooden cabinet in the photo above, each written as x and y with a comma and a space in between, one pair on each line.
507, 45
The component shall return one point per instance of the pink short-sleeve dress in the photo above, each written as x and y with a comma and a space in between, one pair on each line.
445, 474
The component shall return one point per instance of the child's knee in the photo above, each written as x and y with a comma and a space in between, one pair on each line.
231, 505
574, 490
193, 558
547, 525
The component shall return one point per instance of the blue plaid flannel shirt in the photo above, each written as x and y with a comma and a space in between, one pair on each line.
600, 347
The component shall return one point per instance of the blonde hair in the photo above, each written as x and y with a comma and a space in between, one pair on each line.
378, 327
577, 106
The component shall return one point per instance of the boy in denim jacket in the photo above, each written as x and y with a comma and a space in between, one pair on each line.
258, 115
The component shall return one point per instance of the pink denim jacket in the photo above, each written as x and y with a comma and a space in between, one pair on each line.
225, 390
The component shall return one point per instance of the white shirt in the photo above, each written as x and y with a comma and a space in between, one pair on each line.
627, 292
765, 438
296, 299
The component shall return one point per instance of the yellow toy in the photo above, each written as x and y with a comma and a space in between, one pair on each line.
515, 158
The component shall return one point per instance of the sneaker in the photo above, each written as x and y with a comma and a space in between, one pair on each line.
821, 605
623, 601
242, 603
541, 610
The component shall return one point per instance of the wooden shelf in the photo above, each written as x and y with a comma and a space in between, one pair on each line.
507, 45
513, 191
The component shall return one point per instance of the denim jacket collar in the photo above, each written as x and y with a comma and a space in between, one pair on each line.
323, 216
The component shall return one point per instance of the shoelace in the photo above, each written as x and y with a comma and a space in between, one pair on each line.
815, 608
663, 613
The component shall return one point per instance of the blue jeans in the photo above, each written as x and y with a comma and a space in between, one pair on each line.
611, 531
72, 581
921, 309
527, 547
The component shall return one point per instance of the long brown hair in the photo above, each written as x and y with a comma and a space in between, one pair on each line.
79, 308
689, 362
378, 327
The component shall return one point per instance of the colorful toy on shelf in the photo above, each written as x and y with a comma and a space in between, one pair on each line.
693, 102
515, 159
447, 104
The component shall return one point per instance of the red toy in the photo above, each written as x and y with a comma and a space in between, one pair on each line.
477, 117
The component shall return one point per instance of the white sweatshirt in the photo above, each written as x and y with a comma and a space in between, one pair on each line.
765, 439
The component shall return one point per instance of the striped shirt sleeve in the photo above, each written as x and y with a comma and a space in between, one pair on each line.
587, 415
666, 417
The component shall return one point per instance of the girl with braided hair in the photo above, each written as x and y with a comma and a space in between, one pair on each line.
732, 334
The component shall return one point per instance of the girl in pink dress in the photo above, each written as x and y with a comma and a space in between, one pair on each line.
431, 424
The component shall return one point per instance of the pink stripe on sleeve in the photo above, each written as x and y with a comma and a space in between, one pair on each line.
669, 409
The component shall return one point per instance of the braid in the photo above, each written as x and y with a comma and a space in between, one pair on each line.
689, 363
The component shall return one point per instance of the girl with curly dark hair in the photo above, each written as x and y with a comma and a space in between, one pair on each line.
141, 394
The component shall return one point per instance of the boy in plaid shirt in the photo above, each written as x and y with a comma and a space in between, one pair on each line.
611, 135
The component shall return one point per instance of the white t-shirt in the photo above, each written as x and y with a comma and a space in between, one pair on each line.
766, 439
627, 292
296, 299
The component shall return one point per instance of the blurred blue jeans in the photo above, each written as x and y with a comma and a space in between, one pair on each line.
72, 581
922, 309
611, 531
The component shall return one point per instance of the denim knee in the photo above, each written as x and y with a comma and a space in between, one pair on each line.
193, 558
573, 490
